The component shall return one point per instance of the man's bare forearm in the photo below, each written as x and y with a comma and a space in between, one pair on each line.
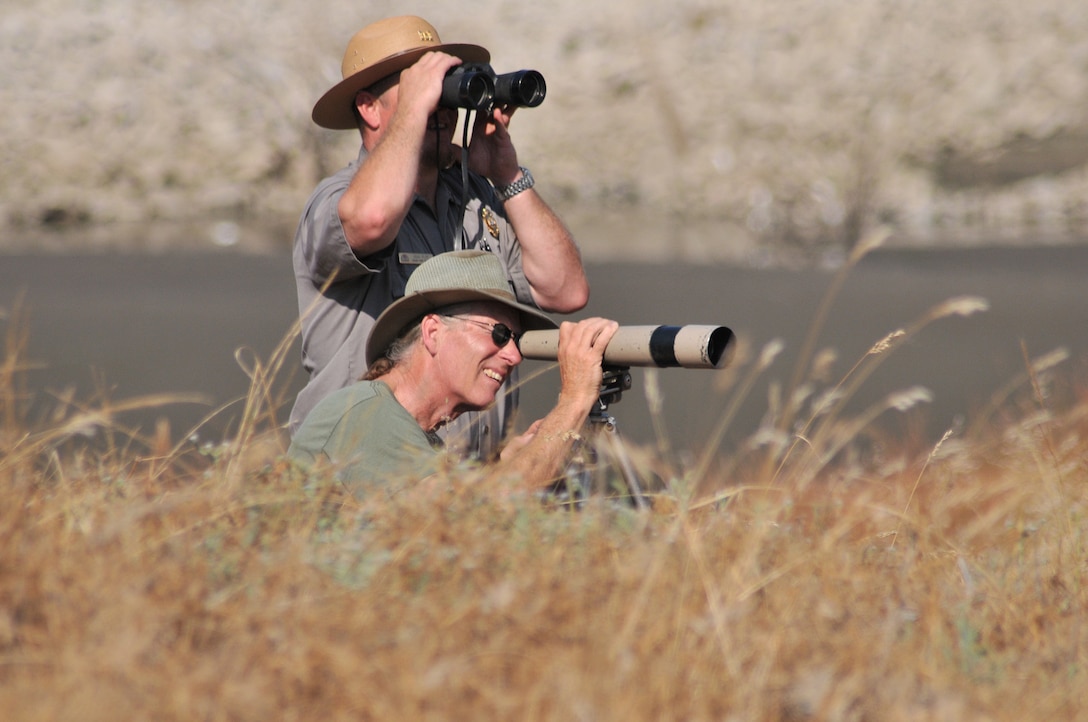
549, 254
379, 196
541, 461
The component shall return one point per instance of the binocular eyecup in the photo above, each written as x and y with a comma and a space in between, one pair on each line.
476, 86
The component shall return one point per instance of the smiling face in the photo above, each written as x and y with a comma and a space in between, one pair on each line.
471, 366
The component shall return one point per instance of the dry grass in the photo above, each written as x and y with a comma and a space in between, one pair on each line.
818, 572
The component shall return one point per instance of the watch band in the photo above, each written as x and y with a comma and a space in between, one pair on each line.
521, 184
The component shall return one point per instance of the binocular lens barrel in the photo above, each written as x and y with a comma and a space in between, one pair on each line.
474, 90
521, 88
476, 87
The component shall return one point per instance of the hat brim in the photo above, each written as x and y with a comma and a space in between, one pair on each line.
402, 312
334, 109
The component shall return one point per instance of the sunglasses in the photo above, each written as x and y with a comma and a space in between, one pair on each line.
501, 334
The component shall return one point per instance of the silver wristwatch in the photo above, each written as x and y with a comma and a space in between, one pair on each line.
521, 184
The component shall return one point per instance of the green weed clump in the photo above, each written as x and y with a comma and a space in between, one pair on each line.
805, 575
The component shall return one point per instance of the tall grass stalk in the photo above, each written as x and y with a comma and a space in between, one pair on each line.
830, 433
870, 242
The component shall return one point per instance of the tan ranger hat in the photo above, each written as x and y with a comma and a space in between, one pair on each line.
379, 50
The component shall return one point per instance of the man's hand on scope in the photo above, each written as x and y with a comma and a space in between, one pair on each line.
538, 455
580, 355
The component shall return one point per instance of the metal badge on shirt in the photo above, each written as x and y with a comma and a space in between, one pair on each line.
488, 219
413, 259
490, 222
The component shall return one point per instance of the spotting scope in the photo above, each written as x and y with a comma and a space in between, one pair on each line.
689, 346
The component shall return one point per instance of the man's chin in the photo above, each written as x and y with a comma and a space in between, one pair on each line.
450, 156
443, 159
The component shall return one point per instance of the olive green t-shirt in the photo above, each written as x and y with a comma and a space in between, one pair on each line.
372, 441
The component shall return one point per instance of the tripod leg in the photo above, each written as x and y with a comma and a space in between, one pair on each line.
619, 454
576, 484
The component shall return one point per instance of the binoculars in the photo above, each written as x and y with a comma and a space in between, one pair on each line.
476, 86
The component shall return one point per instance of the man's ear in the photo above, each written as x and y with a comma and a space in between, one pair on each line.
366, 107
430, 327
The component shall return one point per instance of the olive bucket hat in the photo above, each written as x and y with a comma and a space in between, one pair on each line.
379, 50
445, 280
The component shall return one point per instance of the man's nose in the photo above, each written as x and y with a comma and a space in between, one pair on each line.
511, 353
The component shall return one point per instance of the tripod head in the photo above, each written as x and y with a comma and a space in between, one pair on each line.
615, 381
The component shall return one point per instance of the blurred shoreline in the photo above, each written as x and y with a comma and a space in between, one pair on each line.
780, 124
634, 237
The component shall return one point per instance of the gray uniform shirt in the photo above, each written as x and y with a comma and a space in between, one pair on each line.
336, 320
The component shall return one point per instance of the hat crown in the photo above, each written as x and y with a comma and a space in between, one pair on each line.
377, 51
460, 270
385, 39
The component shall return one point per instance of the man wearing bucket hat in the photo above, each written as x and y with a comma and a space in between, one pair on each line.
443, 349
404, 200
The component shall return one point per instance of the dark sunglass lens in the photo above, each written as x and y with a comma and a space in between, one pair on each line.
501, 334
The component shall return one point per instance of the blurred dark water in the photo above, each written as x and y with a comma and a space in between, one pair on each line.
128, 325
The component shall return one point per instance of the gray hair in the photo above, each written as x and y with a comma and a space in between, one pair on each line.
402, 345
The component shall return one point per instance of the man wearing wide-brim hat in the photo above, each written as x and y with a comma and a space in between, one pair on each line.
444, 349
405, 200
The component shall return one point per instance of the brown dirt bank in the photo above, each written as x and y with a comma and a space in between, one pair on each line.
780, 121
